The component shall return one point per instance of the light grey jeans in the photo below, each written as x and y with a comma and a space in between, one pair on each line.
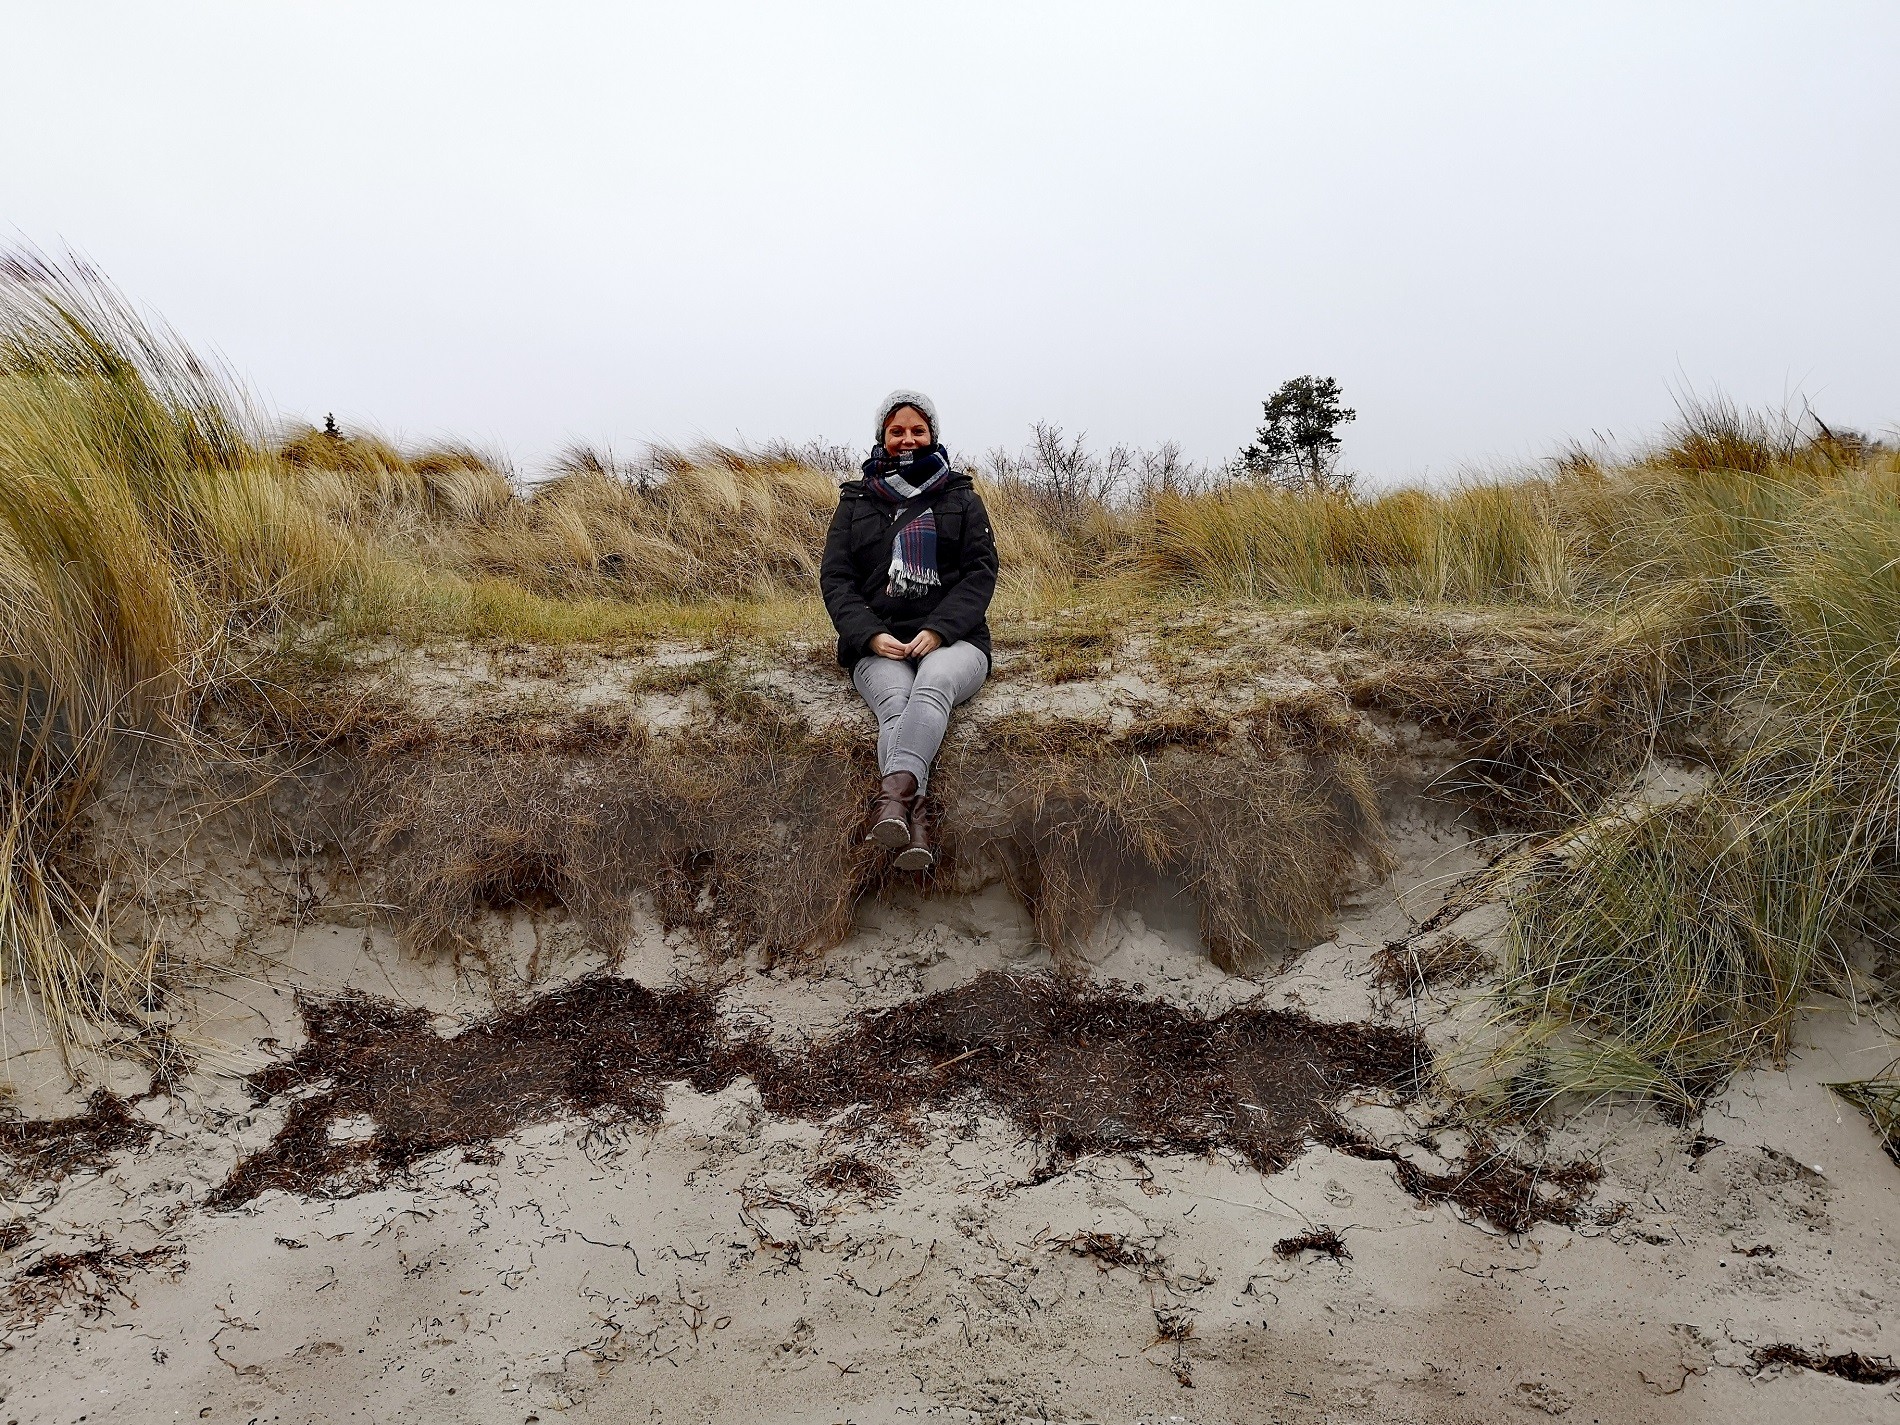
913, 701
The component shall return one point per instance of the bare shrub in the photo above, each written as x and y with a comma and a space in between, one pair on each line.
1070, 483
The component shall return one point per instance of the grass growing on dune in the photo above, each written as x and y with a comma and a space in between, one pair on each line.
139, 533
1479, 544
1682, 941
157, 542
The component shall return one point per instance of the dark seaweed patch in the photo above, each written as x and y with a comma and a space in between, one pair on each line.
600, 1046
1416, 965
848, 1173
91, 1278
1489, 1183
1077, 1070
1100, 1071
1323, 1240
1848, 1365
32, 1149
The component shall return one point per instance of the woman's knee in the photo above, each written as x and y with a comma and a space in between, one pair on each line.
938, 700
952, 679
888, 703
885, 694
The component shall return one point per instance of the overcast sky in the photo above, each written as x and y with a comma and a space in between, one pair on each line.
1500, 226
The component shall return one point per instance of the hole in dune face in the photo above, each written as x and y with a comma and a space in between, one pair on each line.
531, 882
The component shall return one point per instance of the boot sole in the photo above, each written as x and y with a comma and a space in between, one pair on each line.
914, 858
891, 833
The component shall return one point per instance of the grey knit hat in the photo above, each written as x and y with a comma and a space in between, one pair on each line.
907, 398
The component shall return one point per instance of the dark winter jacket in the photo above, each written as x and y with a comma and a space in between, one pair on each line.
857, 568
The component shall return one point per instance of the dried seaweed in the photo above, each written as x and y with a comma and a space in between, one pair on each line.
36, 1149
1847, 1365
1085, 1071
1416, 965
603, 1047
848, 1173
1489, 1183
1078, 1070
92, 1278
1323, 1240
1110, 1249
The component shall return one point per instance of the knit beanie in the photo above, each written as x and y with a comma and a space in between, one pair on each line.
907, 398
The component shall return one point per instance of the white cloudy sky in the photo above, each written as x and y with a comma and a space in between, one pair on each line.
1501, 226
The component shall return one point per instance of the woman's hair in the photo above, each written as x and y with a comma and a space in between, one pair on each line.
896, 401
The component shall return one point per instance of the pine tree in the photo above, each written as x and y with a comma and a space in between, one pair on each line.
1298, 446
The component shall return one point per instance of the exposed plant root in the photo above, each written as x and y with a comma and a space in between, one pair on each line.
747, 833
1549, 737
1265, 822
743, 834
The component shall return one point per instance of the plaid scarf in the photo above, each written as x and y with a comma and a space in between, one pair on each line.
897, 480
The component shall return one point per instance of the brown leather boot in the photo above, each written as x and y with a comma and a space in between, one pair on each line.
890, 811
920, 855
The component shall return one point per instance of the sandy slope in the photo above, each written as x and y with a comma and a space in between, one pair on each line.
695, 1272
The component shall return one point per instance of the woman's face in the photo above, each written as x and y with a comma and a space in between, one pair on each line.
906, 430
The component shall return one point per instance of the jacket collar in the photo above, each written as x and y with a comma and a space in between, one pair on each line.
854, 489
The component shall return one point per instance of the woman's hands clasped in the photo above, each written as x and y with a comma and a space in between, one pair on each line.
927, 642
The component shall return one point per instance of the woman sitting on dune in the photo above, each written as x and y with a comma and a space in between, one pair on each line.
909, 568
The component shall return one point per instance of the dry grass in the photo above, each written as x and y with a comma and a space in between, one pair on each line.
457, 549
1475, 544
